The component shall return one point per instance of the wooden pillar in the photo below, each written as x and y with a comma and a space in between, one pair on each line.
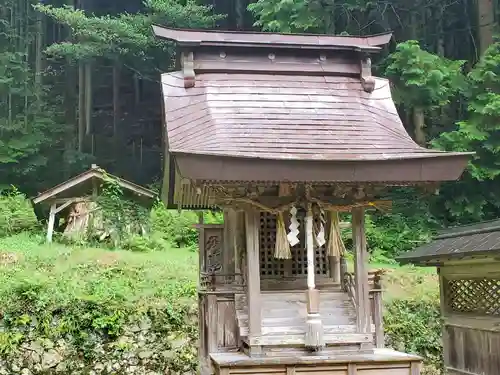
361, 270
378, 316
335, 268
444, 311
203, 353
52, 220
228, 251
252, 224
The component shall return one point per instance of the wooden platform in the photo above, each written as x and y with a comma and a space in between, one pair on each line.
380, 362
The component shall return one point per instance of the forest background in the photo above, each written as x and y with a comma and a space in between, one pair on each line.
79, 84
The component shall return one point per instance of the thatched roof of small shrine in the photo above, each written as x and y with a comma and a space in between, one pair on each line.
83, 185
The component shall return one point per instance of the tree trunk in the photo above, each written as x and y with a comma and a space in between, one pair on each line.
116, 105
486, 23
440, 43
240, 14
88, 98
81, 106
419, 126
38, 57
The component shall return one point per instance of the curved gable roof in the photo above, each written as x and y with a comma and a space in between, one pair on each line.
235, 114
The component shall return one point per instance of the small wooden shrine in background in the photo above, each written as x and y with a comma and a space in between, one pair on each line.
468, 262
284, 132
74, 200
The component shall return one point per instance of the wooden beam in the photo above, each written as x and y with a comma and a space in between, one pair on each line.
73, 200
91, 174
52, 220
66, 204
361, 270
253, 277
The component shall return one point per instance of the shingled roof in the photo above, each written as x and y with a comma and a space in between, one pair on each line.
294, 108
480, 239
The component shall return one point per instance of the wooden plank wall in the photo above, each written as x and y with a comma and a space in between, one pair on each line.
471, 341
401, 368
472, 351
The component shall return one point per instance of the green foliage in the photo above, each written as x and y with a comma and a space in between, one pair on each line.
128, 36
28, 121
121, 215
423, 79
311, 16
389, 235
139, 243
414, 326
476, 197
9, 342
292, 16
177, 227
16, 213
55, 292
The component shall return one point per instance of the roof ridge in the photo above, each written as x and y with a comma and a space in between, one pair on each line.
456, 231
211, 36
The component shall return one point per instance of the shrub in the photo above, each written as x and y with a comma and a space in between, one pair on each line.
414, 326
144, 244
16, 213
175, 227
179, 227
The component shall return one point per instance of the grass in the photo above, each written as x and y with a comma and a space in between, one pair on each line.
94, 273
133, 277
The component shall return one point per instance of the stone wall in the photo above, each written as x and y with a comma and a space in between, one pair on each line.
142, 348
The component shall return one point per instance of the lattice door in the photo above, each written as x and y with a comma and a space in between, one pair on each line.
475, 296
270, 266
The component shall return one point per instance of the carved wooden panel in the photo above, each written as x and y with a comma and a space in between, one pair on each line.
271, 267
474, 296
213, 250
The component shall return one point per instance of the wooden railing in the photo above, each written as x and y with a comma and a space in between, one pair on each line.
376, 304
349, 286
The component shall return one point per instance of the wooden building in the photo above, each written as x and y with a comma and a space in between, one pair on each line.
284, 132
468, 262
75, 200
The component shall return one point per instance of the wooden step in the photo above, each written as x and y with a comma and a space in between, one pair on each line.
298, 320
298, 351
324, 296
284, 316
300, 330
286, 304
329, 339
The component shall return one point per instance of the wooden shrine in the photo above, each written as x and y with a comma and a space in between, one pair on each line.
468, 263
284, 133
75, 198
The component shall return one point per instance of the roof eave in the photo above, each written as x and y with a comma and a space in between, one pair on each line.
87, 175
228, 168
437, 260
185, 37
